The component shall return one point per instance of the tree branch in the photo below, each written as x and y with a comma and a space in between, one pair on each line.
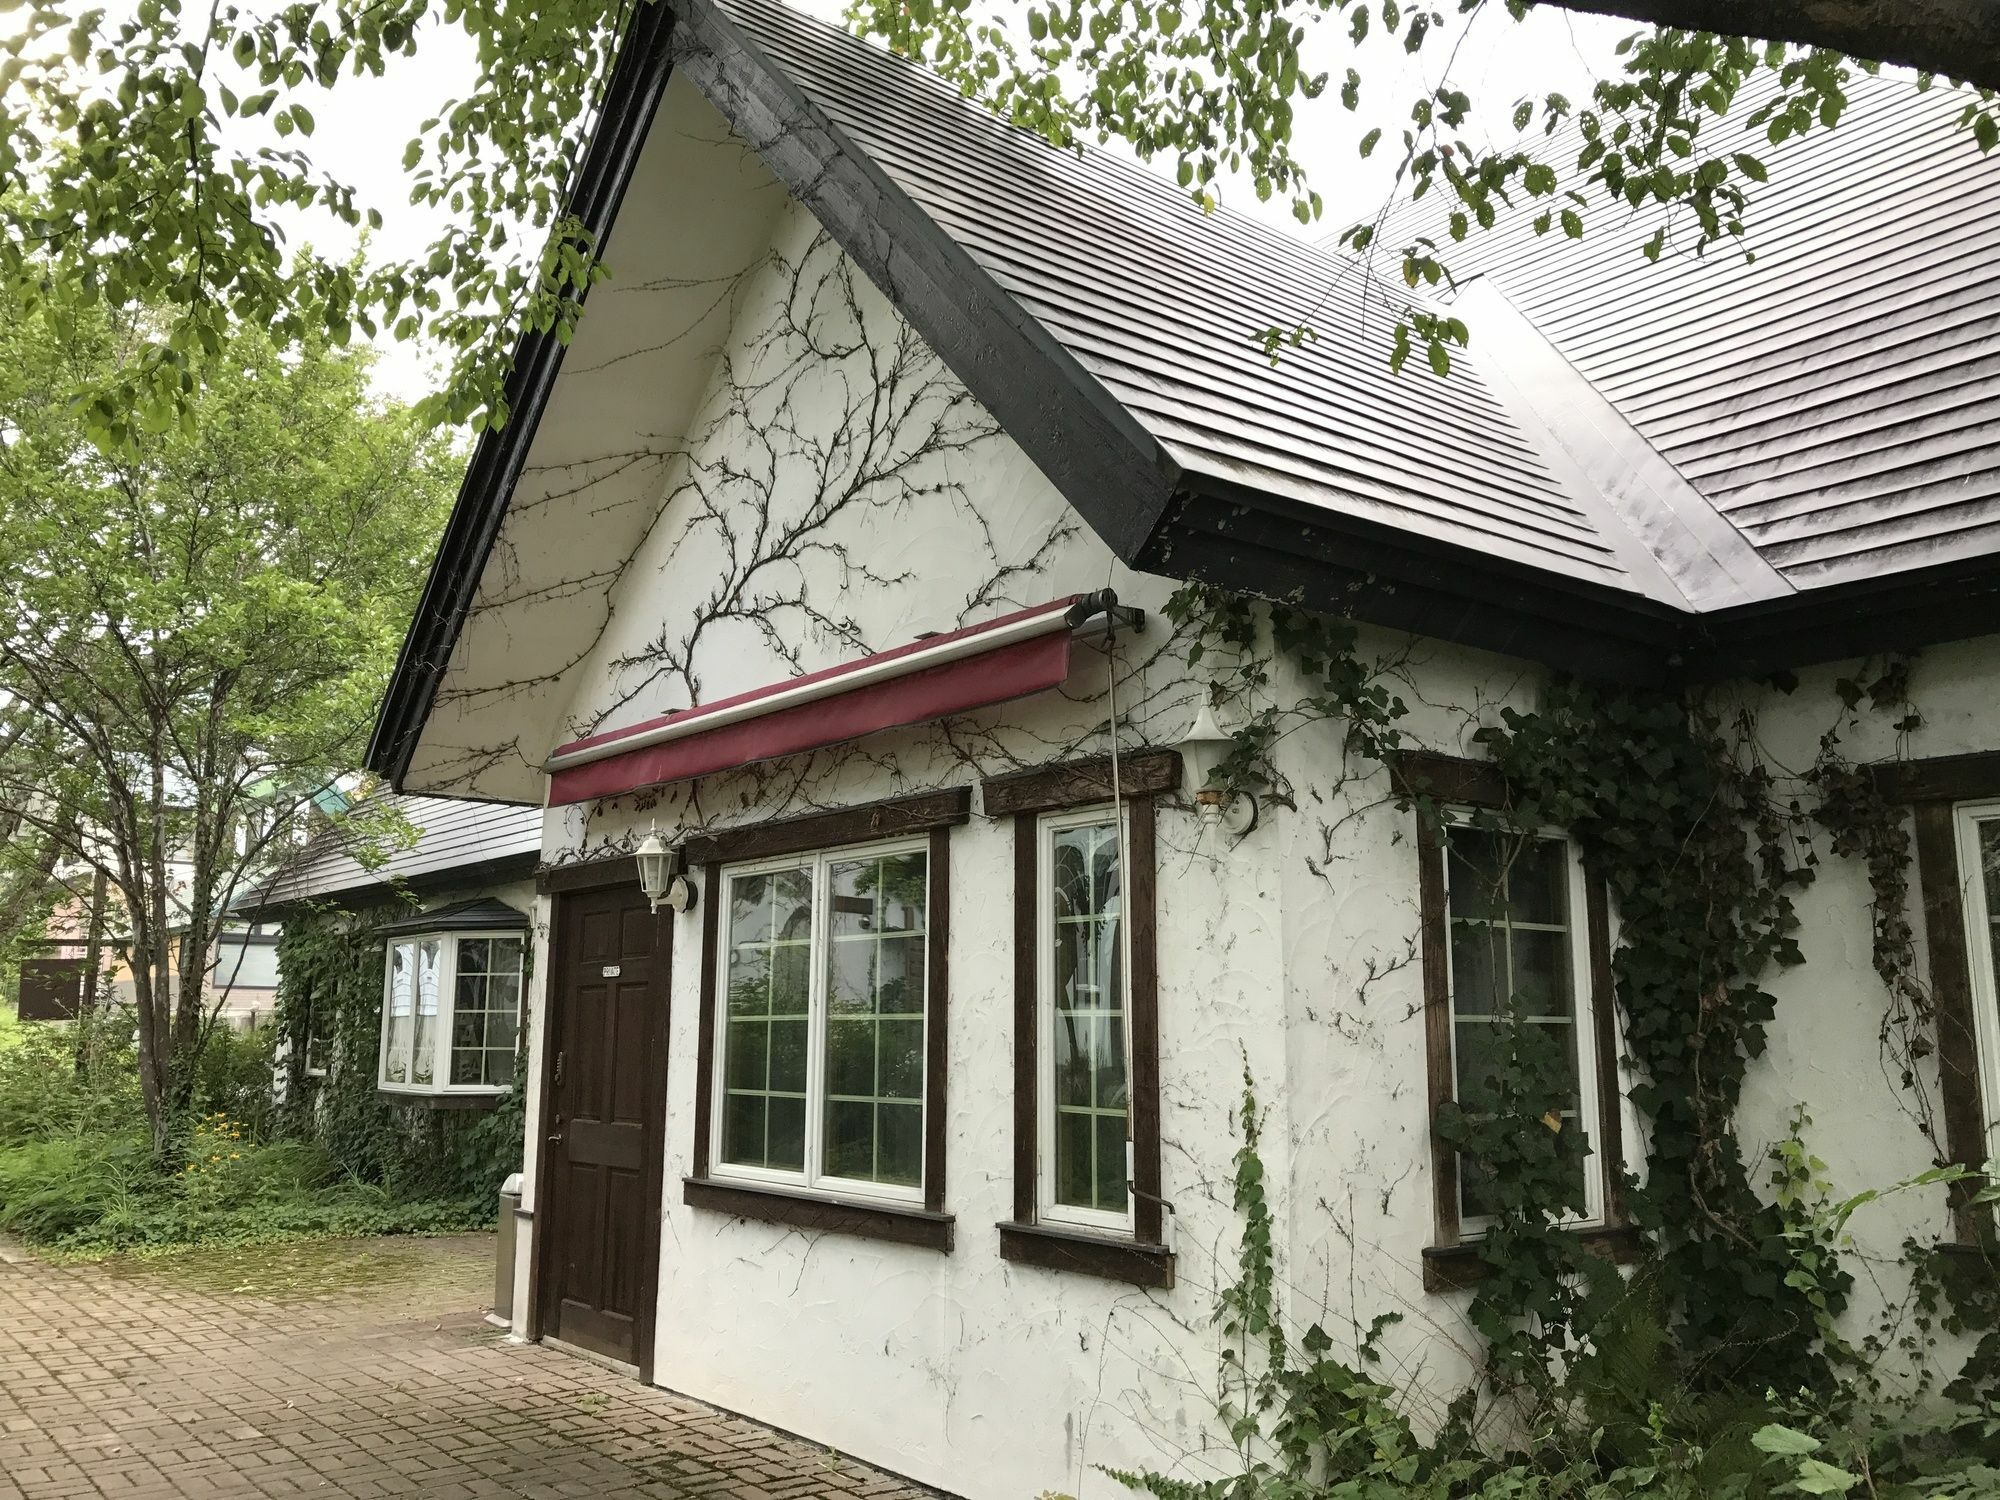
1952, 38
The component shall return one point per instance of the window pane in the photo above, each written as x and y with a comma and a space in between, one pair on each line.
1542, 973
850, 1138
900, 1136
788, 1134
1473, 871
472, 955
430, 962
875, 968
397, 1009
1086, 1019
850, 1058
1538, 880
764, 1029
1478, 958
899, 1053
504, 956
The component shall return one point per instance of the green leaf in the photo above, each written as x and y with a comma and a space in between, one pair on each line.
1786, 1442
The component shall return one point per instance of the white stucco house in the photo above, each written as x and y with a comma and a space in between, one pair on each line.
907, 1122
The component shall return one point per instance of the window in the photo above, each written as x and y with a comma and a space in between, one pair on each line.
1514, 954
1978, 841
1085, 1082
820, 1057
451, 1012
1087, 1188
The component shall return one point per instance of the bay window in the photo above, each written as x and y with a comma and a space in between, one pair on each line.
451, 1005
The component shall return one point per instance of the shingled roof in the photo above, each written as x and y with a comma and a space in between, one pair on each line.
1627, 476
1837, 399
458, 842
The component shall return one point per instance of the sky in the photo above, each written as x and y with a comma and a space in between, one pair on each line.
364, 125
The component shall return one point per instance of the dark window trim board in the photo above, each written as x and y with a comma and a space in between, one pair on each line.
934, 812
1030, 1238
1931, 788
895, 1223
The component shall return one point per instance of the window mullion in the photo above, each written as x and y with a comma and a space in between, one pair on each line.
447, 996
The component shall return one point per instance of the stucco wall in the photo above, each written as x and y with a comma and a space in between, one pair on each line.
1290, 954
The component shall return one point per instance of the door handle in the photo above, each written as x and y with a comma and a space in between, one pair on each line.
556, 1139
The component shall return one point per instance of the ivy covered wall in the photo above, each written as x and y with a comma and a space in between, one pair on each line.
330, 995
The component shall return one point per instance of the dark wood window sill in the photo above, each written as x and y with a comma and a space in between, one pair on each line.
1452, 1268
1060, 1248
872, 1221
416, 1100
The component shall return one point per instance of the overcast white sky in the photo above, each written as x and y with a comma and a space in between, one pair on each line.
364, 124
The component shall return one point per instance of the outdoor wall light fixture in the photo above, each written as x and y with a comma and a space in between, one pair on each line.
660, 877
1204, 748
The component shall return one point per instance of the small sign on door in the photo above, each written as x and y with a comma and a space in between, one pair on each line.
611, 971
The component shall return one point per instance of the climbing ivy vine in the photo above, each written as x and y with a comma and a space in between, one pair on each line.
331, 961
1702, 855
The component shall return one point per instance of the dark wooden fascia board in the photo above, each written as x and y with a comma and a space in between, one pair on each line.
485, 872
588, 875
1103, 461
1447, 778
631, 99
1940, 778
1078, 783
1894, 612
1342, 566
888, 819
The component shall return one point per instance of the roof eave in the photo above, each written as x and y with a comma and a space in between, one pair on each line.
638, 82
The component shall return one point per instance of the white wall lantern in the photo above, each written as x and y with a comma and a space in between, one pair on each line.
659, 875
1204, 748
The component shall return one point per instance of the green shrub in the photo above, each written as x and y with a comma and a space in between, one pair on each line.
52, 1190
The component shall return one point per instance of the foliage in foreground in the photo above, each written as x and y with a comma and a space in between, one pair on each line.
78, 1172
1617, 1422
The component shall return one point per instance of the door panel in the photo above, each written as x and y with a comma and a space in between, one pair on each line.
604, 1123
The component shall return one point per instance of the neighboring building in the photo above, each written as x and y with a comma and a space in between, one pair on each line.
452, 912
793, 557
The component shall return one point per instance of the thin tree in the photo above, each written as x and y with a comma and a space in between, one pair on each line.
194, 628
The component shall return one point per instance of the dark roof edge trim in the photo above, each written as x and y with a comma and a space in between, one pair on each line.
638, 83
480, 872
1096, 453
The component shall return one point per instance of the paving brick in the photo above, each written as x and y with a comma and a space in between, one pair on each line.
122, 1384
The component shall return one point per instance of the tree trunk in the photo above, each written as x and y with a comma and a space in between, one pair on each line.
93, 961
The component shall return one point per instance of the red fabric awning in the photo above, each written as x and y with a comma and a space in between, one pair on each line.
960, 670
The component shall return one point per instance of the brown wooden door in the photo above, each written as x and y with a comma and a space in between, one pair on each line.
604, 1123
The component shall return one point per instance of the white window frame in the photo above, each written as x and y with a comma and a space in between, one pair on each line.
811, 1181
447, 1000
1047, 1209
1979, 920
1585, 1023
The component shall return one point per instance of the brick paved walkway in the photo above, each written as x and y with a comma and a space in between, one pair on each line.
366, 1371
